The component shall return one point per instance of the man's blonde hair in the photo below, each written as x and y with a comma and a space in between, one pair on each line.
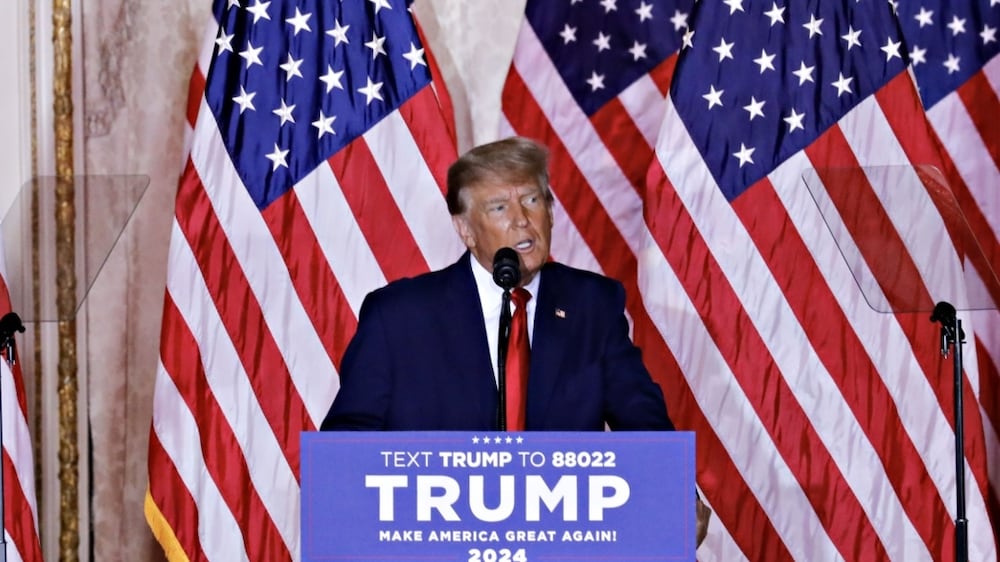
516, 160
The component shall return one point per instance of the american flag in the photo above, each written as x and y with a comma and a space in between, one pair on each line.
316, 173
953, 50
824, 428
20, 511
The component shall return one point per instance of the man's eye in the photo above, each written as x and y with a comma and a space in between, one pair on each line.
497, 208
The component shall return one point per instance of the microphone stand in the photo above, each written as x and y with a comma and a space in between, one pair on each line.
9, 324
952, 336
502, 359
506, 274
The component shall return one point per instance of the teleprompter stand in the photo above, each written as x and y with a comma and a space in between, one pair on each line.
906, 241
952, 337
51, 259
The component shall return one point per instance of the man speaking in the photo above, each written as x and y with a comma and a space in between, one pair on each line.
425, 355
426, 351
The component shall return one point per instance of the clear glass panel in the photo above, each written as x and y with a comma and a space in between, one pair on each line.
904, 237
103, 206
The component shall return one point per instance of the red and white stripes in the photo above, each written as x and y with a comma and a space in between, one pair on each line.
824, 428
20, 510
259, 308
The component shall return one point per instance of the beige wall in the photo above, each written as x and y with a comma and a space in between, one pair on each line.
15, 142
138, 56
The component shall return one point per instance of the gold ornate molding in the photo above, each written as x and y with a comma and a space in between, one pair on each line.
69, 535
36, 403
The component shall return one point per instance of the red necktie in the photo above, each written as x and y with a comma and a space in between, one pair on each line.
518, 354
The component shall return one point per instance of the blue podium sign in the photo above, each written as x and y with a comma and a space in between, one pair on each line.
498, 497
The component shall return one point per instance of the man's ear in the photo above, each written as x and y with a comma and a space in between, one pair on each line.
464, 230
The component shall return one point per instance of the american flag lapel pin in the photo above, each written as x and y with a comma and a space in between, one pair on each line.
560, 313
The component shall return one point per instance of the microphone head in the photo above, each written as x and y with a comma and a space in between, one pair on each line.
506, 268
11, 323
944, 312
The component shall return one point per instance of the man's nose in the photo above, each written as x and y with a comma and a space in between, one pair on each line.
519, 215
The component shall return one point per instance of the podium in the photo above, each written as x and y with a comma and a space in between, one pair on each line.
498, 496
910, 249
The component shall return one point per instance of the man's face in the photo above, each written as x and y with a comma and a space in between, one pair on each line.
514, 215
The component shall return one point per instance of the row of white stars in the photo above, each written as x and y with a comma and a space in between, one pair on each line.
891, 49
737, 6
852, 37
925, 17
776, 15
486, 440
644, 10
765, 61
300, 21
756, 108
957, 24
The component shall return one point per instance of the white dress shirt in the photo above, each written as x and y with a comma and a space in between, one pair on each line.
490, 297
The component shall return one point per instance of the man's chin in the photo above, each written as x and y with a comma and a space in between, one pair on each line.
530, 270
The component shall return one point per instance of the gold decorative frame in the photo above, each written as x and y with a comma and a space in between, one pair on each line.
62, 39
36, 405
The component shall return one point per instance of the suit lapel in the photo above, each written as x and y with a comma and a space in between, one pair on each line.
463, 338
550, 342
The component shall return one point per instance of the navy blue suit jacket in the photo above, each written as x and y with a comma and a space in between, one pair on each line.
420, 359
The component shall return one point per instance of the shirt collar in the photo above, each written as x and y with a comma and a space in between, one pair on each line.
489, 292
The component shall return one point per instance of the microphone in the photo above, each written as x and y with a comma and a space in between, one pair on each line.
506, 268
944, 312
9, 324
506, 274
